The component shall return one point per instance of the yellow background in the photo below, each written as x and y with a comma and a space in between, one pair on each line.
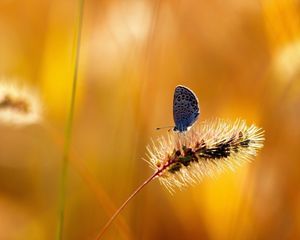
241, 58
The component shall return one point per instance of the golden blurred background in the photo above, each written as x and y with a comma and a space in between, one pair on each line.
241, 58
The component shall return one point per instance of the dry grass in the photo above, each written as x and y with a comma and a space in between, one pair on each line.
240, 58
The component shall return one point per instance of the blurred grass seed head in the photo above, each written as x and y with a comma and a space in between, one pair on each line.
19, 105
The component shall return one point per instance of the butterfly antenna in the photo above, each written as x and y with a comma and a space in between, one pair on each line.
159, 128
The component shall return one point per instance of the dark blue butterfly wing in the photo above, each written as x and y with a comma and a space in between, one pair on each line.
185, 108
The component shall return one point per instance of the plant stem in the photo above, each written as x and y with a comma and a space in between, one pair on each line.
68, 132
106, 226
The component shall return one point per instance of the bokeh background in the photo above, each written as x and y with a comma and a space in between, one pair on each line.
242, 59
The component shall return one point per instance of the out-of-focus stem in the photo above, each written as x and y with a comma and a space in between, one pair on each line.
68, 132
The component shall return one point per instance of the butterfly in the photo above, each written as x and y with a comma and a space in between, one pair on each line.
185, 108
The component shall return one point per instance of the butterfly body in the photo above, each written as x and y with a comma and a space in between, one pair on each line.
185, 108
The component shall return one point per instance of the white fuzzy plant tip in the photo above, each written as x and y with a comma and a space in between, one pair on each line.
19, 105
182, 159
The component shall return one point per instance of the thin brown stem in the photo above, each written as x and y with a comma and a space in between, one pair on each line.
106, 226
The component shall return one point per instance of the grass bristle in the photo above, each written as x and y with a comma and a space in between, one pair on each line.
206, 150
